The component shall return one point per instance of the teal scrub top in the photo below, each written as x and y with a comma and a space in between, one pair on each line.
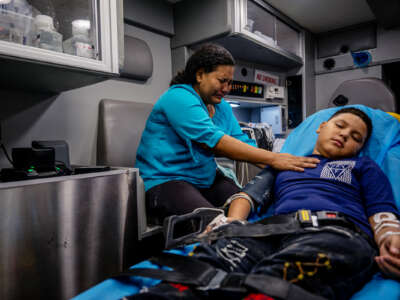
171, 144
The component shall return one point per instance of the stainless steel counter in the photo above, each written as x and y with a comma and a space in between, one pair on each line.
61, 235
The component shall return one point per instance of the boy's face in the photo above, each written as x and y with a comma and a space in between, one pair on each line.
340, 137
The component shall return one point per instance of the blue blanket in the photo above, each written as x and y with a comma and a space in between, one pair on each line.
383, 147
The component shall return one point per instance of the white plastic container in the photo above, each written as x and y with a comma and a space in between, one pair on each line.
250, 24
15, 21
5, 23
46, 37
21, 21
80, 43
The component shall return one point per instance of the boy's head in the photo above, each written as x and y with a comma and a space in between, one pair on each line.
344, 134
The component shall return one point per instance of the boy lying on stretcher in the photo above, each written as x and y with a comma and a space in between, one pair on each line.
327, 223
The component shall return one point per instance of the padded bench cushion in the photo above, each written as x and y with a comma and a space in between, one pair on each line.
121, 124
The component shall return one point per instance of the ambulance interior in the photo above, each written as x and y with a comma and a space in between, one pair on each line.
61, 234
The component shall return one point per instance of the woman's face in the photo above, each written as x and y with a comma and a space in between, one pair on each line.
213, 86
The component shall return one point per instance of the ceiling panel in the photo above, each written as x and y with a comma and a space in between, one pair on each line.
324, 15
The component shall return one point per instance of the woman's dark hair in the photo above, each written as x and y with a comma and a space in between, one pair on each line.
359, 113
209, 57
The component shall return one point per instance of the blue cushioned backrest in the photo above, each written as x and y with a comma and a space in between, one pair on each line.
383, 146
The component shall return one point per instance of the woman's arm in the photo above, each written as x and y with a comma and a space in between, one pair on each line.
237, 150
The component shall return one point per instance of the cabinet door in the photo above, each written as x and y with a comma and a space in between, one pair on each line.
287, 38
73, 33
269, 26
260, 22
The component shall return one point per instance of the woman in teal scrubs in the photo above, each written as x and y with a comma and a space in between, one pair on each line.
188, 126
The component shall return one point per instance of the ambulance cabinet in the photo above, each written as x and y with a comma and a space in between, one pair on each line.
54, 45
251, 30
61, 235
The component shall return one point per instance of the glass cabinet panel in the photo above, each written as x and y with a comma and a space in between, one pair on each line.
274, 31
260, 22
68, 26
287, 38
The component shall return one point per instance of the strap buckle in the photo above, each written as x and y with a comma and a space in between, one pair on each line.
227, 282
215, 282
304, 216
183, 229
328, 217
320, 218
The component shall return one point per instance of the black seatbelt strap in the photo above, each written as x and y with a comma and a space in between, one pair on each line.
186, 270
202, 276
250, 230
274, 225
169, 276
278, 288
300, 221
200, 271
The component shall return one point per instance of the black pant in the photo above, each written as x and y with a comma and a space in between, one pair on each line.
178, 197
331, 264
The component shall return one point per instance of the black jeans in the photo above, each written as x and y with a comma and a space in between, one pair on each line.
333, 263
178, 197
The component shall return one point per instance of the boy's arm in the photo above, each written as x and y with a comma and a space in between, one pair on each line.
240, 205
386, 229
239, 208
257, 192
382, 214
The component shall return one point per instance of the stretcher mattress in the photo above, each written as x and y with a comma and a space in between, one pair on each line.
383, 147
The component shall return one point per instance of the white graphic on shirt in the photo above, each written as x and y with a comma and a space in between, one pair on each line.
338, 170
233, 253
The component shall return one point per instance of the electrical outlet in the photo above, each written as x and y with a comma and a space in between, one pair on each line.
275, 91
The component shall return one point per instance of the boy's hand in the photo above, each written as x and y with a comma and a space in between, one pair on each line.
389, 259
218, 222
285, 161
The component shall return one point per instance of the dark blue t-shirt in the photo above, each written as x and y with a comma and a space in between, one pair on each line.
354, 186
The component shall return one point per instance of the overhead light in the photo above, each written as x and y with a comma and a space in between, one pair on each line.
234, 104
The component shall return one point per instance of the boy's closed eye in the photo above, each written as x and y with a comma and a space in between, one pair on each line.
339, 124
357, 138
